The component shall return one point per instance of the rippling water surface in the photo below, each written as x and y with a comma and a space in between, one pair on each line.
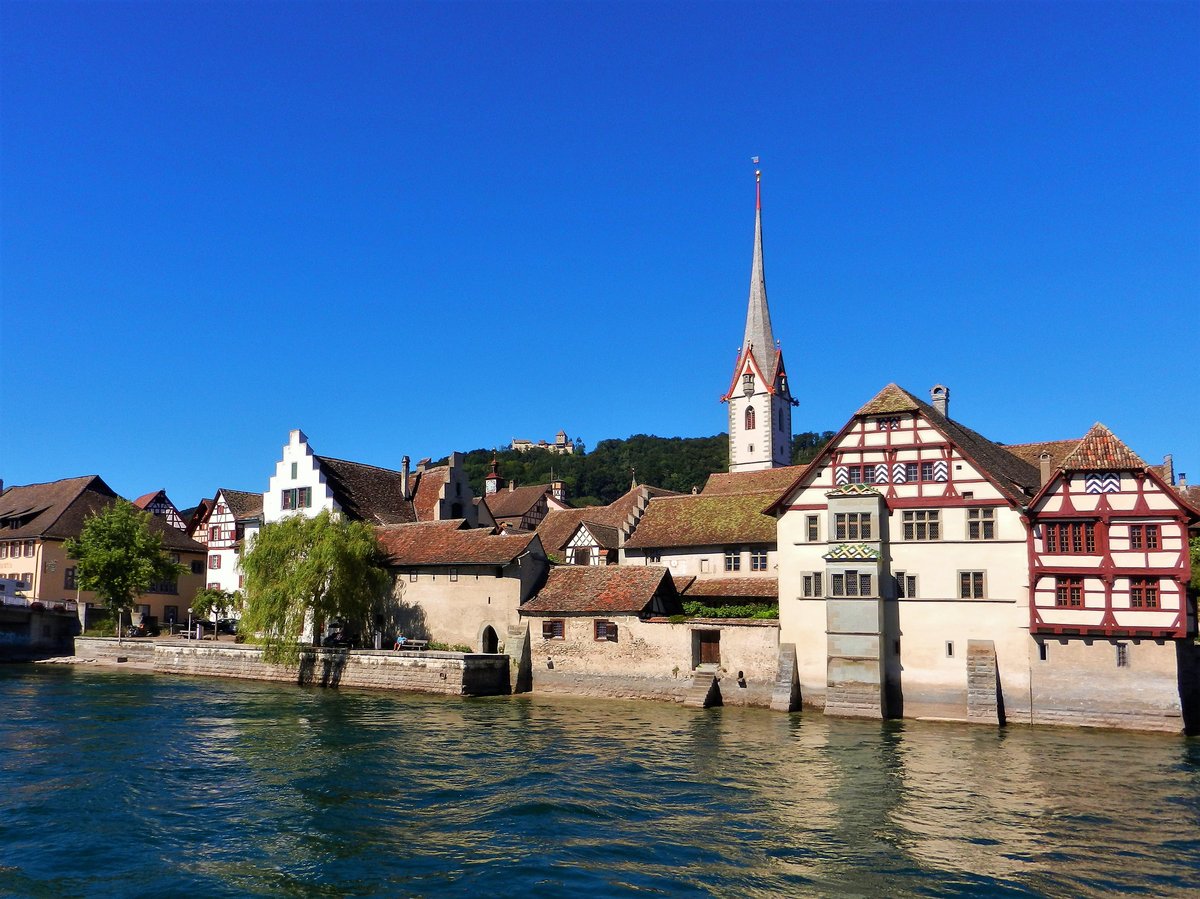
118, 783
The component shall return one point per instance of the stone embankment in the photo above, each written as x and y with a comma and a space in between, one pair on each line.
458, 674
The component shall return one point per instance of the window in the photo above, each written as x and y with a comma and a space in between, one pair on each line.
926, 471
1043, 651
750, 423
454, 574
653, 557
922, 524
949, 649
163, 587
69, 582
412, 577
750, 448
887, 424
981, 524
197, 566
838, 584
733, 560
214, 562
170, 614
296, 498
852, 525
861, 474
1141, 536
1143, 593
864, 585
813, 533
971, 585
214, 534
1071, 537
1122, 655
27, 579
293, 471
851, 583
910, 472
214, 585
3, 550
812, 584
605, 630
906, 585
174, 557
30, 544
1068, 592
553, 629
758, 560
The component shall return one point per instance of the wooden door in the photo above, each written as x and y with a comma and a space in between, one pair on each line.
710, 647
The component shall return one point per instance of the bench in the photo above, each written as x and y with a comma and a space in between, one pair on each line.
414, 646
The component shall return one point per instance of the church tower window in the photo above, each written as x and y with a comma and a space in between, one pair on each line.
750, 418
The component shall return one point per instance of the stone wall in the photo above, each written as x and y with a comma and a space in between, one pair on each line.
654, 659
107, 649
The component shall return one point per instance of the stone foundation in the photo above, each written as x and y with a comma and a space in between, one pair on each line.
456, 674
107, 649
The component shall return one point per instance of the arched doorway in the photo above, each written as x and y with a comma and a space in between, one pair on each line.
491, 643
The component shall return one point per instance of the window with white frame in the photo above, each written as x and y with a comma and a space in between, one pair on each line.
813, 528
852, 525
981, 524
758, 560
922, 524
733, 560
812, 584
972, 585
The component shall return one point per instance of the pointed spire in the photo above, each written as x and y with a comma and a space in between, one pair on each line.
759, 338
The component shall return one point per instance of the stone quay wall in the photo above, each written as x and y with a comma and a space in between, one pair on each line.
108, 649
450, 673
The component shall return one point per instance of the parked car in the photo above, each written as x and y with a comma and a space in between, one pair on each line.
227, 626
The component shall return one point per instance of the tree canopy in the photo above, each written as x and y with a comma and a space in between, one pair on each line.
119, 556
302, 568
212, 601
605, 473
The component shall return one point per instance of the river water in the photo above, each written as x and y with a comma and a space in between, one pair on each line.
117, 783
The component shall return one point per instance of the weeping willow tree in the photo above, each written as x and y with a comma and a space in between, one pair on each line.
301, 569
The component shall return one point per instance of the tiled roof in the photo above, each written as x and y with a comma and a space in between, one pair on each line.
733, 587
1032, 452
606, 589
58, 509
242, 504
428, 490
559, 524
892, 399
1101, 450
1190, 494
367, 493
776, 479
448, 543
854, 490
147, 498
516, 502
705, 520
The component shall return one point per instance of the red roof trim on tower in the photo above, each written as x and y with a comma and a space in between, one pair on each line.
740, 369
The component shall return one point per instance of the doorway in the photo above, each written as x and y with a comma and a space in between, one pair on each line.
491, 643
706, 648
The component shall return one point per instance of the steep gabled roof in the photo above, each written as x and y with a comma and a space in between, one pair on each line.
58, 509
606, 536
705, 520
144, 501
516, 502
242, 504
1101, 450
607, 590
428, 490
559, 524
449, 543
367, 493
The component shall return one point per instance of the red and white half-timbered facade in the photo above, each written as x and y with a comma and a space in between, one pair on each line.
1108, 549
223, 531
159, 505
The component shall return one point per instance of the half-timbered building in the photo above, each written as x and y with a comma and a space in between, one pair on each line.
158, 504
230, 514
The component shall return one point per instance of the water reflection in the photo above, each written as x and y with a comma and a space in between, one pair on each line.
238, 788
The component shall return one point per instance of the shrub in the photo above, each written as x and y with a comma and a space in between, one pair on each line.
760, 611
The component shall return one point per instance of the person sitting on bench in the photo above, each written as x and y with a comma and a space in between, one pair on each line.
400, 641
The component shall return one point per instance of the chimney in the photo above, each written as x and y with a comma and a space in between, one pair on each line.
1168, 468
1044, 465
1183, 479
512, 485
939, 396
404, 475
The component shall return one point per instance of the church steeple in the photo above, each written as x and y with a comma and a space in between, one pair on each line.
759, 340
760, 403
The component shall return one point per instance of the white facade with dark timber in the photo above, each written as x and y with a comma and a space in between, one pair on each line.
760, 403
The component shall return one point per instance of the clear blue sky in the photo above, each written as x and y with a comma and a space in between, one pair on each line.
414, 228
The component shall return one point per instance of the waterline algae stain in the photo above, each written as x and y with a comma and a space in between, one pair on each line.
124, 784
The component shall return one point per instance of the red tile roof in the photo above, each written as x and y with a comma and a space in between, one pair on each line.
776, 479
1031, 453
559, 524
607, 590
146, 499
733, 587
428, 490
705, 519
449, 543
516, 502
1101, 450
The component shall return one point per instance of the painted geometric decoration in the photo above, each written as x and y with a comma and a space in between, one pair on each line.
941, 470
1102, 482
852, 552
881, 473
898, 474
842, 476
853, 490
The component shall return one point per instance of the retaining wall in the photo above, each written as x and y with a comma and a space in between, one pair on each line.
107, 649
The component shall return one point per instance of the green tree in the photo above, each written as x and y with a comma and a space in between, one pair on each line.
211, 602
302, 570
1194, 549
119, 556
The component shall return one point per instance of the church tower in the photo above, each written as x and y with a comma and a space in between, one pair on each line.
760, 403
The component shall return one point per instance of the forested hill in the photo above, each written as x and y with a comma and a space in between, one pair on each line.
603, 473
